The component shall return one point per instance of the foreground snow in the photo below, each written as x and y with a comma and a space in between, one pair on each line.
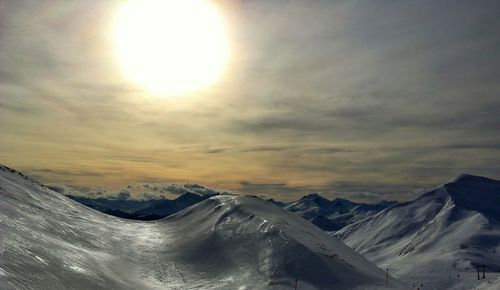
48, 241
438, 239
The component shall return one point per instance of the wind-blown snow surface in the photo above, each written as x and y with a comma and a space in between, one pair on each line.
437, 239
48, 241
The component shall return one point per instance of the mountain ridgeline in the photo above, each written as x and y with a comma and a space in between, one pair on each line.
332, 215
329, 215
439, 240
136, 209
49, 241
452, 229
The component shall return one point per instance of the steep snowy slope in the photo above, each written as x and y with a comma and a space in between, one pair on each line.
332, 215
439, 238
48, 241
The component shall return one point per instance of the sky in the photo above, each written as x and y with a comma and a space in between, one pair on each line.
366, 100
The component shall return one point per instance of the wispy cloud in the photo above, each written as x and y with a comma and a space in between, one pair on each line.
368, 97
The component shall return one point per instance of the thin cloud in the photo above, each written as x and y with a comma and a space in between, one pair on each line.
367, 98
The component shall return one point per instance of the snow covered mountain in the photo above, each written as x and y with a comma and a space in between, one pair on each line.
325, 214
437, 239
332, 215
49, 241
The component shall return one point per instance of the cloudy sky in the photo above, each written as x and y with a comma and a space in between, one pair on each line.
360, 99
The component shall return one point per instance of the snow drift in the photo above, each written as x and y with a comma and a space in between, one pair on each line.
48, 241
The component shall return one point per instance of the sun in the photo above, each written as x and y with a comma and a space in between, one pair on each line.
170, 47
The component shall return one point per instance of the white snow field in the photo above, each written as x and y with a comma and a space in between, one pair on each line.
48, 241
437, 239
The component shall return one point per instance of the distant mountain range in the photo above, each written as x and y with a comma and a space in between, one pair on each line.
332, 215
434, 239
329, 215
149, 209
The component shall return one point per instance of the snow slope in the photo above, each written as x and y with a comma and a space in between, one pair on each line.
48, 241
332, 215
437, 239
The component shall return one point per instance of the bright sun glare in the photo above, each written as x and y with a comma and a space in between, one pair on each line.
170, 47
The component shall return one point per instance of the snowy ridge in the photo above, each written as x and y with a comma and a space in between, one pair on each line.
439, 238
284, 245
12, 171
226, 242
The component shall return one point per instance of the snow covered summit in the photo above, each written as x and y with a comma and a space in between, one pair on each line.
476, 193
437, 237
48, 241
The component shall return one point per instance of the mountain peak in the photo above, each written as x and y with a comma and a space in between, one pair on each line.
459, 218
465, 177
314, 196
475, 193
190, 196
472, 185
